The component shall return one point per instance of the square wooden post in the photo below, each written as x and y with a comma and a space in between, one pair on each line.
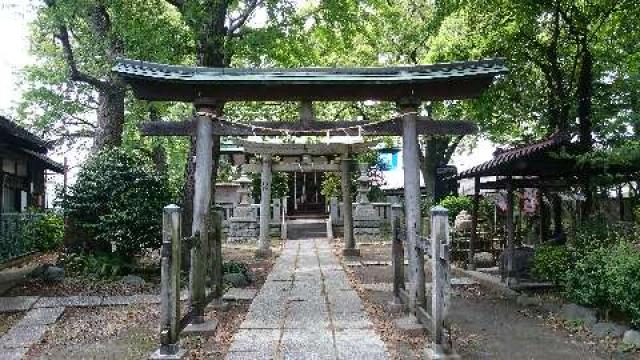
264, 243
441, 347
216, 253
170, 285
347, 208
409, 110
397, 254
473, 240
510, 250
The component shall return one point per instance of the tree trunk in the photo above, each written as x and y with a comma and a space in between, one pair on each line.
110, 118
585, 96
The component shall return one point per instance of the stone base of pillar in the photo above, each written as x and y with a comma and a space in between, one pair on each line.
206, 328
436, 352
263, 253
395, 306
351, 252
217, 305
176, 353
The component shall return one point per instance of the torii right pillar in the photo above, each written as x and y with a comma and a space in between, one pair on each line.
408, 109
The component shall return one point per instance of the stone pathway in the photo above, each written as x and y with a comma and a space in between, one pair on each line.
30, 330
307, 310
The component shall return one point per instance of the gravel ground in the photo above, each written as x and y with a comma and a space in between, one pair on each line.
485, 325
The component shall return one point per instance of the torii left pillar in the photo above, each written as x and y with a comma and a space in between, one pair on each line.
264, 242
201, 216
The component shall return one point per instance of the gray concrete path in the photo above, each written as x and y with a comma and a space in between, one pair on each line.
307, 310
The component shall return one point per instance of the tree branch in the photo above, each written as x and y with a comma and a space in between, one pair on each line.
74, 73
178, 4
238, 22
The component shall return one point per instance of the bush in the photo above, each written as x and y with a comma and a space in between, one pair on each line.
96, 266
118, 199
44, 230
455, 204
586, 282
622, 273
551, 263
603, 270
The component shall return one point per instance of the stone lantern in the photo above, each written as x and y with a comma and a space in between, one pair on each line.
243, 210
363, 184
366, 222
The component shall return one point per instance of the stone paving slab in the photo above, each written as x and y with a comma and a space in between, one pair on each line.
69, 301
239, 294
17, 303
307, 309
131, 300
23, 336
256, 340
41, 316
360, 344
17, 353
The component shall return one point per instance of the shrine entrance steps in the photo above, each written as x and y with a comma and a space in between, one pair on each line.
306, 227
307, 309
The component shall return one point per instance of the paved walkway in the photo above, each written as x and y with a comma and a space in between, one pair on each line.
307, 310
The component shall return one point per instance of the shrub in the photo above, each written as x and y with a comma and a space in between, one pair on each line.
455, 204
586, 282
44, 230
551, 263
622, 272
96, 266
118, 199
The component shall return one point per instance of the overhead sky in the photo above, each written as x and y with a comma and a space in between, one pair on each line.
15, 16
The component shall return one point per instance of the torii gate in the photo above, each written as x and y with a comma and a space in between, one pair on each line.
269, 150
208, 88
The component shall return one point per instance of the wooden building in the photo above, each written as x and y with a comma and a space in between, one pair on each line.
24, 163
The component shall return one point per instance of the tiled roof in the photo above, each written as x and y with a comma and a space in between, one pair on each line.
504, 157
9, 127
374, 75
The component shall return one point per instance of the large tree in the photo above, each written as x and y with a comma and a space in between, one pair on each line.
71, 92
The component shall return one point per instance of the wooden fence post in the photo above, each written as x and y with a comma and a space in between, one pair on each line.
397, 254
170, 285
216, 254
441, 276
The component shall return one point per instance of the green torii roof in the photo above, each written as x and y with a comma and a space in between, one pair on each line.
456, 80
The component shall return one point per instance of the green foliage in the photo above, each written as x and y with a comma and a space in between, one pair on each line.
551, 263
331, 186
104, 266
44, 229
455, 204
279, 185
600, 268
234, 267
622, 273
118, 198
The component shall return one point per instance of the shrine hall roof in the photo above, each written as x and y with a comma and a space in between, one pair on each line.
455, 80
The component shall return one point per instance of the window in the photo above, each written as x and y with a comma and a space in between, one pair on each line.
9, 166
22, 168
11, 200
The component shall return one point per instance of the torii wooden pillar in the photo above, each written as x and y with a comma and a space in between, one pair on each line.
201, 216
409, 108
